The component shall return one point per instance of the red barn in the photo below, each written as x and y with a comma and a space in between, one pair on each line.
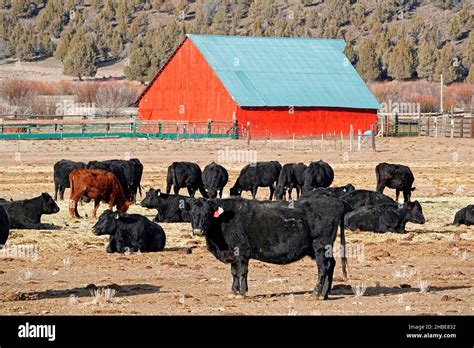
282, 86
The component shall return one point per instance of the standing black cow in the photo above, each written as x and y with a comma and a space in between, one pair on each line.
318, 174
339, 191
26, 214
238, 230
465, 216
214, 178
185, 174
395, 176
117, 169
291, 177
62, 169
385, 217
168, 206
255, 175
131, 232
4, 227
133, 170
361, 198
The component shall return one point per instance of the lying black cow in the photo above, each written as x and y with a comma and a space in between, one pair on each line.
61, 172
168, 206
318, 174
185, 174
132, 232
255, 175
361, 198
214, 178
118, 171
291, 177
395, 176
238, 230
4, 227
385, 217
26, 214
329, 191
465, 216
133, 170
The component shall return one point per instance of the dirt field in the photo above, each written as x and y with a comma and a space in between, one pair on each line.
186, 279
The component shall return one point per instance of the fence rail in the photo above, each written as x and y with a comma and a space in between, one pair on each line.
123, 128
453, 125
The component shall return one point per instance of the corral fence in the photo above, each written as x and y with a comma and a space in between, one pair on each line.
459, 124
64, 127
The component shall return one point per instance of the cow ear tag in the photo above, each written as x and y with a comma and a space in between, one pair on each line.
218, 212
158, 193
117, 216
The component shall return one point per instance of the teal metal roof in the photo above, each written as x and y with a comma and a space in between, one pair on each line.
265, 71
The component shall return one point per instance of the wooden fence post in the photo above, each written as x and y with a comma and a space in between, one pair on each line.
342, 142
461, 127
419, 121
436, 126
177, 131
373, 137
209, 126
359, 140
293, 142
322, 141
248, 133
428, 126
452, 128
351, 138
335, 141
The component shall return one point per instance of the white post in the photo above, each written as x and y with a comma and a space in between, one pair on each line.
441, 107
359, 139
351, 137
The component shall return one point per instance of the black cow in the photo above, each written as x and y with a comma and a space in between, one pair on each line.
214, 178
318, 174
132, 232
361, 198
26, 214
4, 227
465, 216
61, 172
238, 230
291, 177
168, 206
395, 176
118, 171
385, 217
133, 170
255, 175
329, 191
185, 174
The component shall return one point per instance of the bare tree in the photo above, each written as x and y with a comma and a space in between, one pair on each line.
112, 98
17, 96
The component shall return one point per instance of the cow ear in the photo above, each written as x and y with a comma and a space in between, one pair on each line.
226, 216
158, 192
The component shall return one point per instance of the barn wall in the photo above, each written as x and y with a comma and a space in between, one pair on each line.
187, 89
279, 122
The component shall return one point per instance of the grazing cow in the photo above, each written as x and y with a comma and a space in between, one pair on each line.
291, 177
62, 169
214, 178
465, 216
395, 176
168, 206
255, 175
385, 217
98, 185
329, 191
132, 232
26, 214
361, 198
4, 227
185, 174
237, 230
119, 173
318, 174
133, 170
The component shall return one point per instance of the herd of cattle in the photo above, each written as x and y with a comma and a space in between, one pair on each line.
235, 229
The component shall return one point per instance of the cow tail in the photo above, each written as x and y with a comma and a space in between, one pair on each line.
344, 263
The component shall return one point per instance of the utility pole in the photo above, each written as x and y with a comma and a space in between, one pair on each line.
441, 94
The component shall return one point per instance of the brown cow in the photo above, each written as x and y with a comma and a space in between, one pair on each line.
98, 185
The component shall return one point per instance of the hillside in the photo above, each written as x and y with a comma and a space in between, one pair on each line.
394, 39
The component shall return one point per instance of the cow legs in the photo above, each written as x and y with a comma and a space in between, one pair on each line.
380, 188
96, 206
176, 190
406, 195
297, 192
272, 190
73, 207
325, 265
168, 188
61, 192
191, 191
289, 193
397, 194
220, 192
239, 270
111, 248
254, 191
56, 189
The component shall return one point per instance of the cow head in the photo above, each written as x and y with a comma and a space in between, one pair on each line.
48, 205
415, 212
107, 223
204, 213
279, 192
152, 199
